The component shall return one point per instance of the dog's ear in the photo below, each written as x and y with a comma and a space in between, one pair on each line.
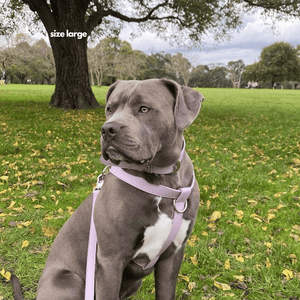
187, 103
111, 89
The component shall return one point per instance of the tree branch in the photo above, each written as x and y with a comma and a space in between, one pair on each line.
44, 12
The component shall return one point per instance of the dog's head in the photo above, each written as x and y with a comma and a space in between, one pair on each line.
145, 119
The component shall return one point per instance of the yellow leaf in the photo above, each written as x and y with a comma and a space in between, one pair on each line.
268, 264
60, 183
48, 231
295, 237
288, 274
222, 286
12, 204
6, 275
280, 206
227, 264
234, 155
239, 277
269, 245
206, 188
207, 204
296, 227
264, 228
26, 224
214, 195
191, 286
204, 233
215, 216
252, 202
4, 178
240, 258
25, 244
183, 277
270, 217
240, 214
38, 206
294, 259
194, 259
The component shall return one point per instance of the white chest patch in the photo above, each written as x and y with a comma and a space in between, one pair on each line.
156, 235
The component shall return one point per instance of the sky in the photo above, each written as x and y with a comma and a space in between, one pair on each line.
246, 44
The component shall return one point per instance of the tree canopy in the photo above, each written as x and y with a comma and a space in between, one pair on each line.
181, 22
278, 62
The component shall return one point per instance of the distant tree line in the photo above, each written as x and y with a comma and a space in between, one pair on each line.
26, 60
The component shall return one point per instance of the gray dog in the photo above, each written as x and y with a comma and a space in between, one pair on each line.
144, 127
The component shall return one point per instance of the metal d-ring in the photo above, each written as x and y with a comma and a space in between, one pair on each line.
176, 167
180, 211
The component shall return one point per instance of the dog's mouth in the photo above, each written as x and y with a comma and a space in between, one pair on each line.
116, 156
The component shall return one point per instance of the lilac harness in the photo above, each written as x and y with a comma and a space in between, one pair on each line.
180, 197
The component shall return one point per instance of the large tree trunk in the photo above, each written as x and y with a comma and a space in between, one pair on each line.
73, 89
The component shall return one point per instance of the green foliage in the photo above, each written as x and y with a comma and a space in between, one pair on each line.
278, 62
246, 153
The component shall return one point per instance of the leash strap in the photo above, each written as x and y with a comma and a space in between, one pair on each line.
91, 256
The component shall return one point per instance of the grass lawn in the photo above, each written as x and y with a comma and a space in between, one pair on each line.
245, 145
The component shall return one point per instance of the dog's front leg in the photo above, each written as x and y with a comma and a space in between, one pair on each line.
108, 278
166, 273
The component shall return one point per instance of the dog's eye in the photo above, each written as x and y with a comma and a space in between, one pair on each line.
108, 110
144, 109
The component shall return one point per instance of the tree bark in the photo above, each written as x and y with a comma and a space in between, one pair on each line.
73, 89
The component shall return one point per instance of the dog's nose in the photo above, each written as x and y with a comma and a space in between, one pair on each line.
110, 129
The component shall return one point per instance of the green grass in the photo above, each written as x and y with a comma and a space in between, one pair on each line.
245, 145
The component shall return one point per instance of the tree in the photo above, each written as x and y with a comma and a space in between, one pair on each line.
43, 61
188, 20
181, 66
235, 70
278, 62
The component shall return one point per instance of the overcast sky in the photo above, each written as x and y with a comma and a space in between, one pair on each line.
246, 45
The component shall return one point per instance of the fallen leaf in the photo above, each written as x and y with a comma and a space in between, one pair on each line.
191, 286
222, 286
48, 231
239, 214
227, 264
288, 274
216, 215
239, 277
183, 277
25, 244
268, 264
194, 259
6, 275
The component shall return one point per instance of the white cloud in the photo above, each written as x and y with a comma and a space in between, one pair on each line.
246, 44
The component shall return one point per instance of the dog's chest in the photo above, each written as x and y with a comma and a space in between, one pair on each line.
156, 235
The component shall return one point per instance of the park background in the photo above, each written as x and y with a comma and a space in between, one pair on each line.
244, 146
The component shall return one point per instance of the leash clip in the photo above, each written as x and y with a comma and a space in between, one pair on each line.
101, 178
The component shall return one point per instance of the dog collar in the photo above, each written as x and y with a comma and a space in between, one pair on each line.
147, 168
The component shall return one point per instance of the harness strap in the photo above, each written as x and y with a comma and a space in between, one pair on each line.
180, 204
91, 256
